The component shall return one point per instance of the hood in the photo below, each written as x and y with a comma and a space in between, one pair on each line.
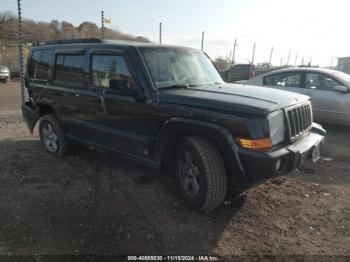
232, 97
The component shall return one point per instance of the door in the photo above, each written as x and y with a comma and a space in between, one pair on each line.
328, 105
288, 81
81, 105
125, 124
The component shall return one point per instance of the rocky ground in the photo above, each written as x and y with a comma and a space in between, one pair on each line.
96, 203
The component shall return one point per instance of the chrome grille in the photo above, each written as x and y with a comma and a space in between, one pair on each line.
299, 119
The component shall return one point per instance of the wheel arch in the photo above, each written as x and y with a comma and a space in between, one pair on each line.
32, 113
176, 128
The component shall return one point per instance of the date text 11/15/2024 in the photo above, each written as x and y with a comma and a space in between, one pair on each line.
174, 258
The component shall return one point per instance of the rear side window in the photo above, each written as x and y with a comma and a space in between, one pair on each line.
69, 68
40, 63
286, 79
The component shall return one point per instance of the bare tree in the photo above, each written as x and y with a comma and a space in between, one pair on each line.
5, 17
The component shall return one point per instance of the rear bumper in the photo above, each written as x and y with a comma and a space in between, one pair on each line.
30, 116
260, 166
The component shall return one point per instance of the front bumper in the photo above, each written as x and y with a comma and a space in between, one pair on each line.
259, 166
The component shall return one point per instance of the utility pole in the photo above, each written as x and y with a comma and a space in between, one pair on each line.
160, 33
202, 46
288, 57
153, 29
102, 23
270, 58
253, 54
296, 59
302, 61
232, 61
332, 63
20, 50
234, 52
281, 61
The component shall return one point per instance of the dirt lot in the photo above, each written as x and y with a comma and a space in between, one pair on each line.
95, 203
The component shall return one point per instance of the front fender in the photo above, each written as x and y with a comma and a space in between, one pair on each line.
177, 127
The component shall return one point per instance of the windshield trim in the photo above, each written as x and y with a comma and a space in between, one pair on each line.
342, 77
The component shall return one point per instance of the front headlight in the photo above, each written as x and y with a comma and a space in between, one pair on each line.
276, 126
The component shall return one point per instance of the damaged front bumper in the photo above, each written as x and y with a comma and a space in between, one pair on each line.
260, 166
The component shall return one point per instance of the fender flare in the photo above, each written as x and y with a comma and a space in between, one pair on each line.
32, 115
176, 127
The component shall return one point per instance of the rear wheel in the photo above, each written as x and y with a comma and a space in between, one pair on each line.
200, 173
52, 135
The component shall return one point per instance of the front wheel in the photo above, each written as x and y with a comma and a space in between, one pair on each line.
200, 173
52, 135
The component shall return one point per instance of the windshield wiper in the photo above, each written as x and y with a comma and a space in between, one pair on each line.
177, 86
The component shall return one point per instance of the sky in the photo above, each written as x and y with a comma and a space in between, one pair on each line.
316, 30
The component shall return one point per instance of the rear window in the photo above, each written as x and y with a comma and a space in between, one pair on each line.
39, 64
69, 68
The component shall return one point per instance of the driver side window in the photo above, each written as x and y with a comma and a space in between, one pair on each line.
109, 67
320, 82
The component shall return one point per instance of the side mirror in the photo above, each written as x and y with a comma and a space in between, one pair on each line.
125, 88
119, 85
341, 89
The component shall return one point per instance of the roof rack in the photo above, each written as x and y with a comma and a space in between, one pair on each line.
71, 41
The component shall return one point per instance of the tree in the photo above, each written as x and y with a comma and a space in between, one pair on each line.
221, 63
5, 17
88, 29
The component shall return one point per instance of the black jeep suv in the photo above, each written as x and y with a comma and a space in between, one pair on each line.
166, 105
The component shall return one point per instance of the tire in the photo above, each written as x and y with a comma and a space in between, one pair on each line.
52, 135
199, 160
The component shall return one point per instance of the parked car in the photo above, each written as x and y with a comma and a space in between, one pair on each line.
167, 106
328, 89
15, 74
4, 74
239, 72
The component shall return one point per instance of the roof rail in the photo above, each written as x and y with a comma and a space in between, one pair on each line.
70, 41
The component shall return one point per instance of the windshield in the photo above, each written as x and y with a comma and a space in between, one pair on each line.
343, 76
179, 66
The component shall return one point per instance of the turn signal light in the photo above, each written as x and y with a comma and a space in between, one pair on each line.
255, 144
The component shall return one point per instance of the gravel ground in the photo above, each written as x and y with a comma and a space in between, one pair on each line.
96, 203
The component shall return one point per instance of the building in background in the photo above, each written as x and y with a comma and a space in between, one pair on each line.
344, 64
